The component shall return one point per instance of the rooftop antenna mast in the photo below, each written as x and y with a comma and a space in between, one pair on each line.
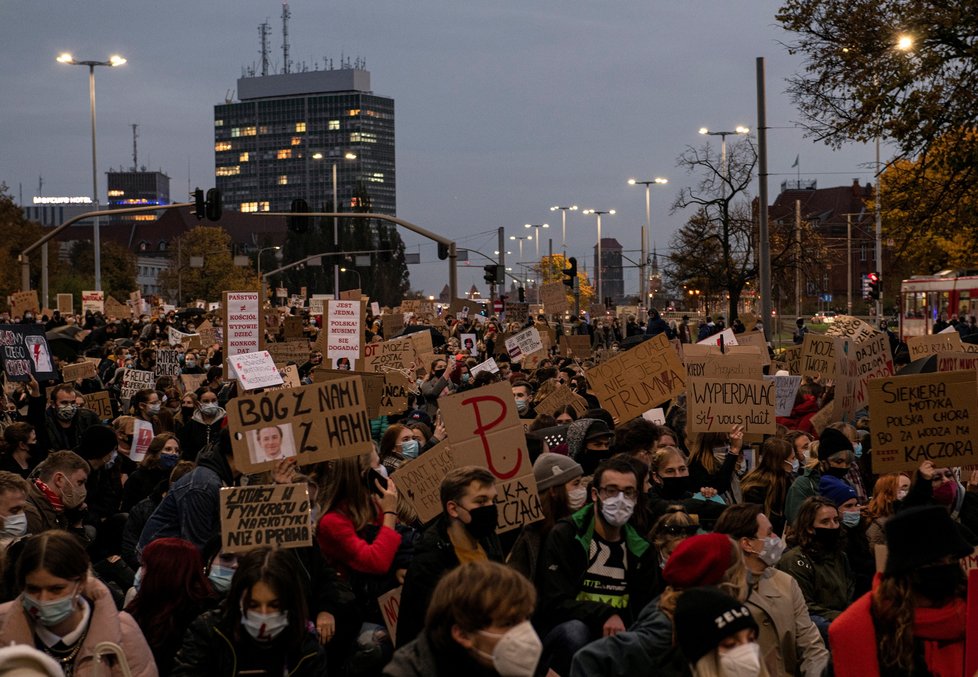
135, 154
264, 30
286, 14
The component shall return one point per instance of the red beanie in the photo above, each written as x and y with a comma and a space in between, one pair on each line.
699, 560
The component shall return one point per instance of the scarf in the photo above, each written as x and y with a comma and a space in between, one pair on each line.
53, 498
942, 632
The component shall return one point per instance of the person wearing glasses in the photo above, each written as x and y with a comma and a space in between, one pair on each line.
597, 571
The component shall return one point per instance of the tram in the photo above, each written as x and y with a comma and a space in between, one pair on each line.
926, 298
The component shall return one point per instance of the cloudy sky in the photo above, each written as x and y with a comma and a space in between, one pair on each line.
504, 108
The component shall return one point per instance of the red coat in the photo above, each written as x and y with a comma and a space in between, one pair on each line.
346, 550
801, 415
852, 638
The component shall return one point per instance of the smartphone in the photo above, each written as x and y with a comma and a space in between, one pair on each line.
372, 478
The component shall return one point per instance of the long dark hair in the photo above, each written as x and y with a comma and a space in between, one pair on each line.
771, 474
173, 592
804, 527
276, 569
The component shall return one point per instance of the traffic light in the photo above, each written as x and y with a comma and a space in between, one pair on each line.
874, 286
298, 224
212, 205
200, 205
522, 294
490, 274
865, 288
442, 251
570, 272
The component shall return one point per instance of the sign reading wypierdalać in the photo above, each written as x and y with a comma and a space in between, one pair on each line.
639, 379
485, 430
167, 363
314, 423
717, 406
93, 301
924, 417
276, 515
419, 480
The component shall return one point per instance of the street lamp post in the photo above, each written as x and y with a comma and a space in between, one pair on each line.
647, 233
520, 239
355, 272
258, 263
536, 262
599, 213
563, 224
723, 148
336, 226
114, 60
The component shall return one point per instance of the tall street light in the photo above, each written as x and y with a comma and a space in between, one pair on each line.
520, 239
647, 233
536, 263
336, 228
357, 273
740, 129
599, 213
563, 224
114, 60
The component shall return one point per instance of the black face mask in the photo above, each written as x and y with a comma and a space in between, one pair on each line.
838, 473
591, 459
939, 582
439, 372
828, 539
674, 487
187, 412
483, 521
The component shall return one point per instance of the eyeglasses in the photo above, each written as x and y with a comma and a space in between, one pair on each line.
631, 493
941, 476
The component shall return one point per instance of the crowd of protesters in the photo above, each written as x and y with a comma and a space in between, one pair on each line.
659, 551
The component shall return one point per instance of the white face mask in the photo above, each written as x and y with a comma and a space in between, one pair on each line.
773, 548
795, 464
517, 651
576, 498
617, 510
264, 627
743, 660
901, 494
14, 525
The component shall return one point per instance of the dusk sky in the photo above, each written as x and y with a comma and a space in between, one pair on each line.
503, 108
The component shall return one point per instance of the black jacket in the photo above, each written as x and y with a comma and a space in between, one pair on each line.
421, 658
210, 649
564, 563
434, 556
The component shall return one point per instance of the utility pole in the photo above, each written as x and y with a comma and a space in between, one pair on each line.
798, 259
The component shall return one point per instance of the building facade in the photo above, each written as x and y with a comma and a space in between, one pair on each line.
612, 273
280, 140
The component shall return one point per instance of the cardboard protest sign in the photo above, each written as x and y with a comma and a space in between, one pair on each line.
24, 301
554, 297
142, 436
79, 370
243, 322
24, 352
655, 415
846, 326
463, 308
755, 338
284, 352
373, 385
790, 360
419, 480
343, 338
524, 343
278, 515
290, 378
176, 337
485, 430
115, 309
786, 390
167, 363
924, 417
191, 382
66, 304
725, 338
205, 330
576, 345
517, 312
100, 403
818, 358
394, 399
957, 362
93, 301
390, 609
134, 380
351, 295
716, 406
873, 359
561, 397
314, 423
638, 379
922, 346
255, 370
708, 362
393, 324
396, 353
292, 327
489, 365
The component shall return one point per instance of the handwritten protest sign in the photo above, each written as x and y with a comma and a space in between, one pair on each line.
393, 324
419, 481
755, 338
322, 421
517, 312
485, 430
394, 399
134, 380
957, 362
115, 309
922, 346
716, 406
175, 337
255, 370
79, 370
24, 301
785, 392
708, 362
489, 365
66, 304
190, 382
524, 343
167, 363
142, 436
207, 334
243, 323
396, 353
874, 359
100, 403
924, 417
561, 397
637, 380
576, 345
390, 609
25, 352
292, 327
284, 352
93, 301
846, 326
818, 358
554, 297
790, 360
290, 378
276, 515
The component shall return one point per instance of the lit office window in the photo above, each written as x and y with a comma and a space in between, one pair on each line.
300, 126
249, 206
283, 180
333, 125
243, 157
283, 154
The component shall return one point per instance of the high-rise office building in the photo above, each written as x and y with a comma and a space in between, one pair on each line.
138, 188
612, 274
280, 140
